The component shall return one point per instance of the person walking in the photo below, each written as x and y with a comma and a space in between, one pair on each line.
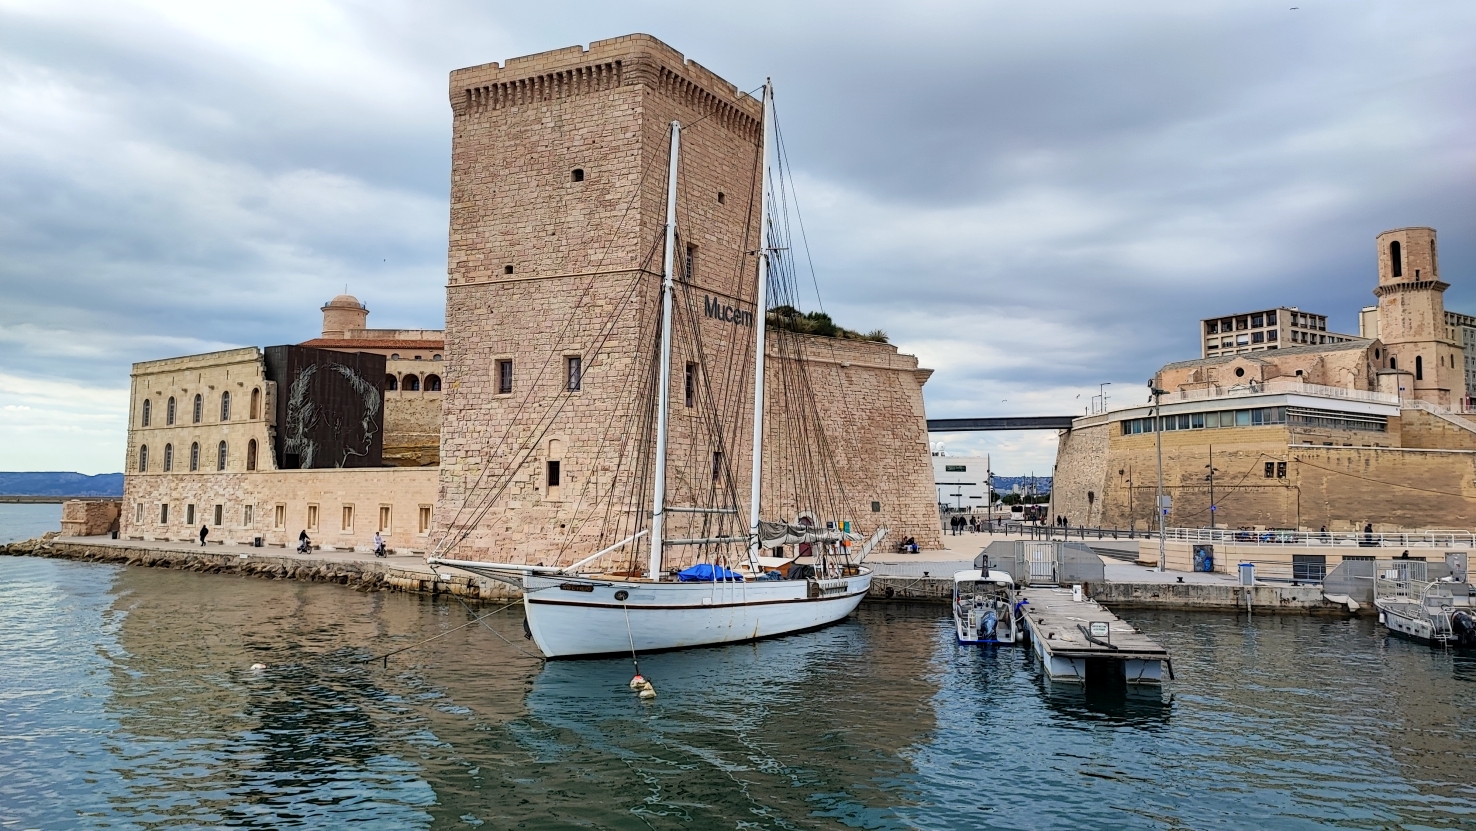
1368, 533
204, 532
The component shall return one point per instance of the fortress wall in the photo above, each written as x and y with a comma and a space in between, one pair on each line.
1077, 484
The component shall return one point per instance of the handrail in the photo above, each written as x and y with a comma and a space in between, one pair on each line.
1377, 539
1280, 386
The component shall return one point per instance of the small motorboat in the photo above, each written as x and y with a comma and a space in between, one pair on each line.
1435, 611
985, 609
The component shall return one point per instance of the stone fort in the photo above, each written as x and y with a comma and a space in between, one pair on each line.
502, 436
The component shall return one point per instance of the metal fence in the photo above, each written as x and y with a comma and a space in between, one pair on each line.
932, 568
1035, 562
1435, 538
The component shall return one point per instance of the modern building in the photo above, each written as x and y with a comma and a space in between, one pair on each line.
1334, 435
961, 482
1275, 328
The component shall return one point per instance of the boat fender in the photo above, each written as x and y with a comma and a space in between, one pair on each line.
636, 682
647, 691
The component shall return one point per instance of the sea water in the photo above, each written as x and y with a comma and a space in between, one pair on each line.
128, 700
23, 521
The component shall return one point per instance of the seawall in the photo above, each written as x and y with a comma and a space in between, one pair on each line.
362, 574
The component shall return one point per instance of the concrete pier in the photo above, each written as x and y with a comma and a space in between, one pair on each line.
1080, 641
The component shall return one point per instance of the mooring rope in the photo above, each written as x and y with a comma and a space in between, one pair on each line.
386, 656
497, 633
631, 636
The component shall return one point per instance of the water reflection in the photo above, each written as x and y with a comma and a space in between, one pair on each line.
1131, 705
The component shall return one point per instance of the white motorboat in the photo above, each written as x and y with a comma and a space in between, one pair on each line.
597, 607
1439, 611
984, 607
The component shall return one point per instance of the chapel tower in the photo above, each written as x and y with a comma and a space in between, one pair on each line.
1412, 322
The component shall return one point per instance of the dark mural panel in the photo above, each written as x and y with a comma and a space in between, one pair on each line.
330, 407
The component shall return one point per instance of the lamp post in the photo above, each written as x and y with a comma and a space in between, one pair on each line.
1211, 477
1102, 393
1159, 506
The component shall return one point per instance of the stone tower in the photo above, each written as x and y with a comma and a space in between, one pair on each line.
343, 314
1412, 323
558, 187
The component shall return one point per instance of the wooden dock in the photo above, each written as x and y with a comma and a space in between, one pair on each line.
1082, 642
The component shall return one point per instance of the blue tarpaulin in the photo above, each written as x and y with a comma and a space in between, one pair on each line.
707, 573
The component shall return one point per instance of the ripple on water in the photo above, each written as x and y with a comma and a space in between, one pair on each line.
137, 709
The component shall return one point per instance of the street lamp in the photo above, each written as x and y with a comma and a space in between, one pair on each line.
1102, 393
1161, 505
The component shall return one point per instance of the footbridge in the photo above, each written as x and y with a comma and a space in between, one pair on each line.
970, 425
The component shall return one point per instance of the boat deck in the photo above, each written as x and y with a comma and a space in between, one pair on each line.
1055, 622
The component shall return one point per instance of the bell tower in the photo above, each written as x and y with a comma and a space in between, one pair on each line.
1412, 321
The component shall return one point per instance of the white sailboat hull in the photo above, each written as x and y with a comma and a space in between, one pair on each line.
571, 617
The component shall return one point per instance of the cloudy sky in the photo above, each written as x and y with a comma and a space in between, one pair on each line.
1034, 198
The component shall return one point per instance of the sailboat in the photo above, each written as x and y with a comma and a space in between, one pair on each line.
583, 609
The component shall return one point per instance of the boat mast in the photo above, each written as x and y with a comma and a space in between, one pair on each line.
761, 315
663, 405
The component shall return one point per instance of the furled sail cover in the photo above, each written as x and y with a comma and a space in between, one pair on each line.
775, 534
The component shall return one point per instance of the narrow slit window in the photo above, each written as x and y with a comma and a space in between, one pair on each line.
504, 377
554, 475
577, 175
690, 386
225, 406
143, 458
194, 456
575, 366
1396, 263
198, 412
148, 408
689, 270
220, 456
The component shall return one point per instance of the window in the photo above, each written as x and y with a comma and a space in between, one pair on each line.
248, 515
435, 357
507, 269
717, 465
225, 406
138, 513
1281, 470
1257, 321
312, 518
875, 507
553, 474
425, 519
251, 455
168, 457
143, 458
1242, 323
504, 377
390, 383
432, 383
722, 198
690, 386
574, 372
1270, 469
255, 404
1258, 337
190, 514
1242, 418
1196, 420
348, 519
1242, 340
384, 519
1419, 366
1213, 345
1225, 342
220, 456
169, 411
1271, 318
1212, 327
164, 514
219, 515
419, 357
148, 409
1393, 362
199, 410
411, 383
1271, 335
1240, 372
1395, 261
577, 175
1309, 568
194, 456
689, 270
279, 516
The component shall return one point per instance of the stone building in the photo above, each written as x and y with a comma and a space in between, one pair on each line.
558, 191
1337, 435
497, 438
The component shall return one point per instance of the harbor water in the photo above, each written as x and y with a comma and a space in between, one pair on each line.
25, 520
128, 700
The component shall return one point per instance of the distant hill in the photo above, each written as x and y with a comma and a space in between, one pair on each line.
60, 484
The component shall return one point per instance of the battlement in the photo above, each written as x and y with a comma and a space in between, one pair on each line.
630, 60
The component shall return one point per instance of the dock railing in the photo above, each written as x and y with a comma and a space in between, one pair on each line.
1433, 538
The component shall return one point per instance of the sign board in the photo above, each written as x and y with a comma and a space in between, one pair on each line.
1165, 501
1101, 629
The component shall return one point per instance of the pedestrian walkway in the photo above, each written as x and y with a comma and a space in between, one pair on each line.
402, 562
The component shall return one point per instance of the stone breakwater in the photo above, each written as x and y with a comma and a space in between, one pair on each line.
364, 575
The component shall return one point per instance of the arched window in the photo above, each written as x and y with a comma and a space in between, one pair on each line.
194, 455
255, 404
251, 455
225, 406
411, 383
390, 383
220, 456
199, 411
1395, 261
143, 458
432, 383
1393, 362
168, 455
436, 357
1419, 367
395, 356
148, 411
169, 411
